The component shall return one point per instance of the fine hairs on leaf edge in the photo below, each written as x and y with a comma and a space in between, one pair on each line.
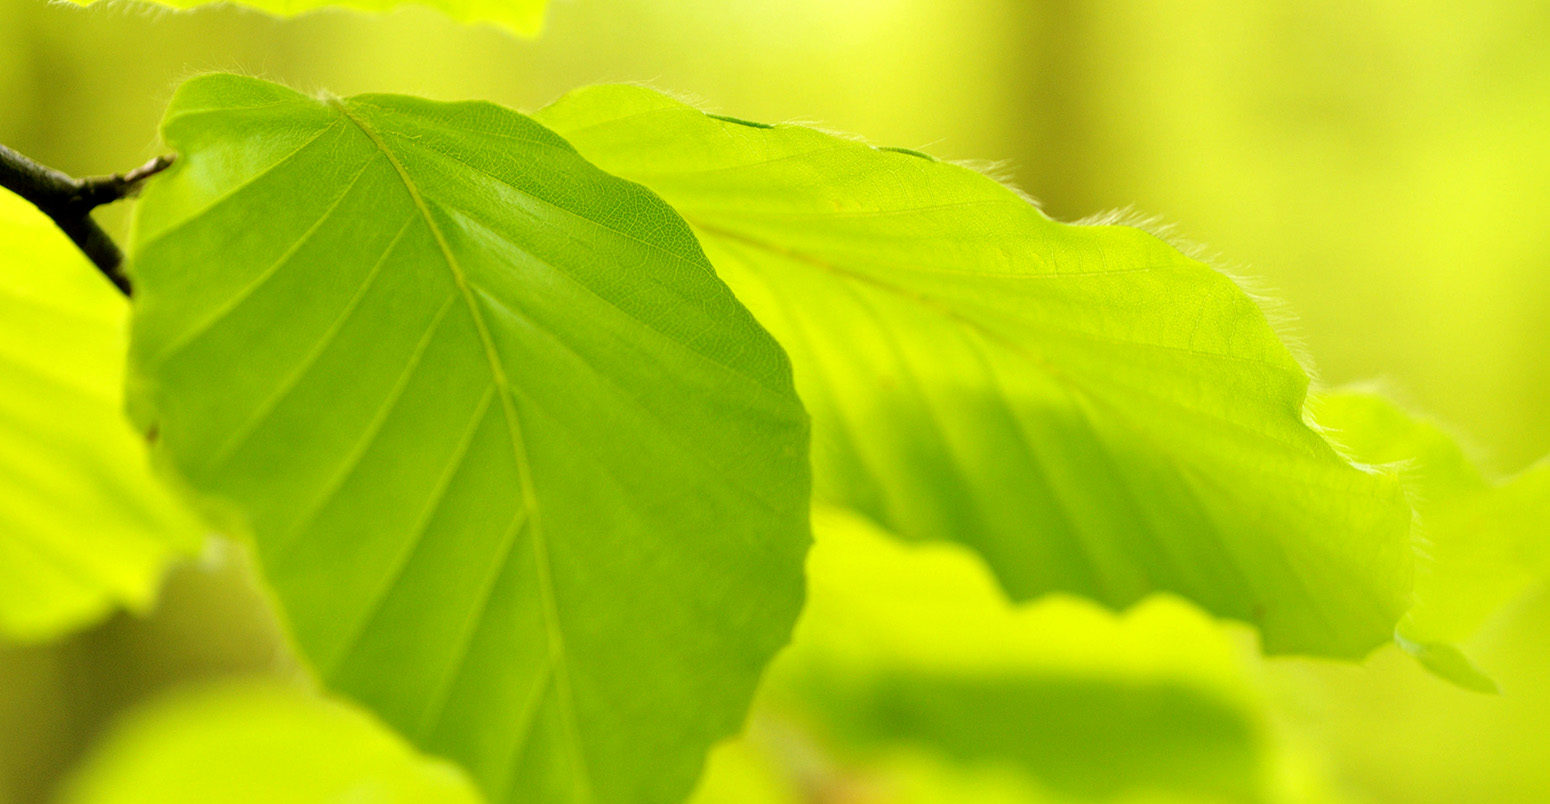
1279, 314
142, 9
1473, 451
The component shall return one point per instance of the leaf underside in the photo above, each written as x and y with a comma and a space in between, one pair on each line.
1089, 408
526, 479
84, 527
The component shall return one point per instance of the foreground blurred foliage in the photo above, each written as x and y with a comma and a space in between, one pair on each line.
259, 742
211, 623
910, 671
88, 529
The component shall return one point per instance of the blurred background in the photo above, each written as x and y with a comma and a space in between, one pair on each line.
1382, 167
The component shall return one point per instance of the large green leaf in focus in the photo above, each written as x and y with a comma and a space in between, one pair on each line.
1090, 409
1480, 544
259, 741
525, 17
525, 477
84, 527
909, 663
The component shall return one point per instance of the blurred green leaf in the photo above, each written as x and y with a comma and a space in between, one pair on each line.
1480, 544
1090, 409
764, 770
912, 678
211, 620
1396, 733
84, 527
1482, 551
260, 742
525, 17
527, 480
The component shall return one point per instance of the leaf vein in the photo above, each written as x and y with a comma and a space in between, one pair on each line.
541, 557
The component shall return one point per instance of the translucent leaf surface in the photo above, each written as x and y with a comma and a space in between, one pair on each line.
84, 527
521, 16
1090, 409
1480, 544
909, 666
260, 742
525, 477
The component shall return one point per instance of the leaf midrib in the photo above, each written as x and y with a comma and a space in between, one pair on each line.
544, 566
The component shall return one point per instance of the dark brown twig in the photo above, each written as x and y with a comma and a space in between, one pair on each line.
69, 202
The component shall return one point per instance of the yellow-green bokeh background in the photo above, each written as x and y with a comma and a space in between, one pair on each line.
1382, 167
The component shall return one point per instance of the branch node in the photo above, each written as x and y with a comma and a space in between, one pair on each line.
69, 202
95, 191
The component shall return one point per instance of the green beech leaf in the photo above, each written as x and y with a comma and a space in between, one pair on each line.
526, 479
911, 651
1092, 410
261, 742
525, 17
1480, 544
84, 527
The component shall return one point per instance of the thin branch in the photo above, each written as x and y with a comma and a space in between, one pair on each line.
69, 202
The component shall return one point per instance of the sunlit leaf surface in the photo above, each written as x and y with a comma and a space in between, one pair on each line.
260, 742
521, 16
84, 527
525, 477
1087, 407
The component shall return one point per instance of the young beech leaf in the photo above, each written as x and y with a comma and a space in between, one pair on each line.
84, 527
1090, 409
526, 479
259, 741
1479, 545
524, 17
